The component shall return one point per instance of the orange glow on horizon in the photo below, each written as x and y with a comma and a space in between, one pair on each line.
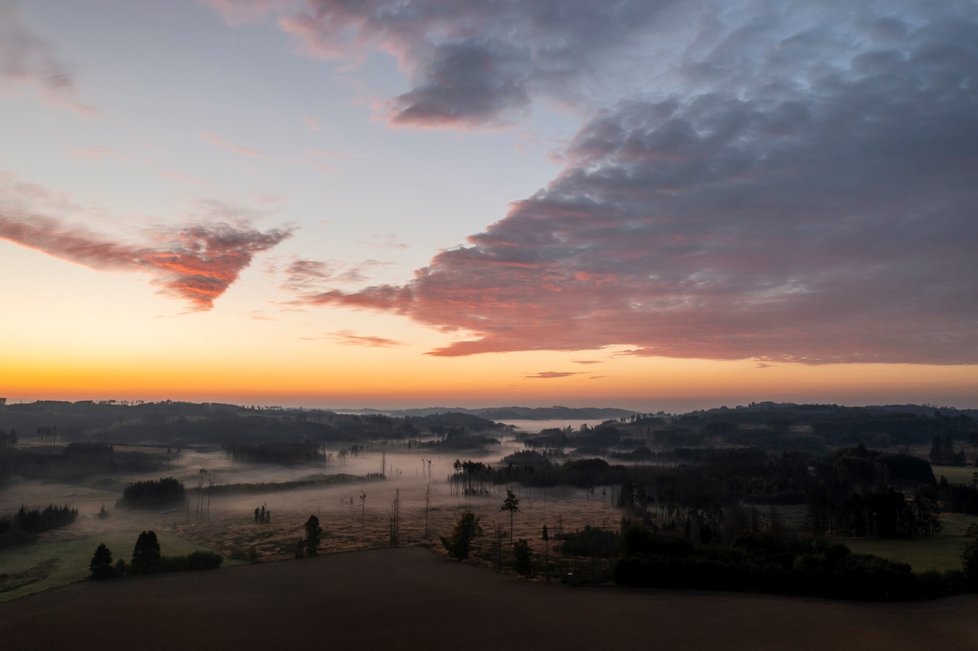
503, 379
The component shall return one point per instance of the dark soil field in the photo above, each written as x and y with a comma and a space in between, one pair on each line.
409, 598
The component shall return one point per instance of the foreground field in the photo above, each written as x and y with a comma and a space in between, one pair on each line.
409, 598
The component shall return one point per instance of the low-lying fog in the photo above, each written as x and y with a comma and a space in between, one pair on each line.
354, 514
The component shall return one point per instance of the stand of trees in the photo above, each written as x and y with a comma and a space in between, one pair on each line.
942, 452
285, 453
147, 558
154, 494
25, 522
8, 439
777, 563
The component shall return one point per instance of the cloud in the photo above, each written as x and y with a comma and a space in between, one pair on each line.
803, 192
384, 241
549, 375
585, 361
306, 276
26, 59
240, 12
349, 338
311, 123
196, 262
220, 142
180, 177
475, 64
95, 152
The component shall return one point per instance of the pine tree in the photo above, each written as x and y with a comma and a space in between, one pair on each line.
101, 564
511, 504
313, 533
466, 528
146, 556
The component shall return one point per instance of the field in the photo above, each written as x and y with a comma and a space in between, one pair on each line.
33, 568
956, 474
409, 598
941, 552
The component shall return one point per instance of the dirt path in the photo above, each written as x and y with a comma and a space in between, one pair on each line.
411, 599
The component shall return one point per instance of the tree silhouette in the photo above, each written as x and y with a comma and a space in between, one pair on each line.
545, 537
313, 533
511, 504
969, 561
101, 564
146, 554
466, 528
522, 558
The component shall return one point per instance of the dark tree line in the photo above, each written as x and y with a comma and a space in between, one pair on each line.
942, 452
34, 521
284, 453
780, 563
8, 439
153, 494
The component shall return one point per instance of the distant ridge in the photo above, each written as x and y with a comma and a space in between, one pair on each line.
509, 413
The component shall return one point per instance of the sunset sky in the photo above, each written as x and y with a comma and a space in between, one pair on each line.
649, 204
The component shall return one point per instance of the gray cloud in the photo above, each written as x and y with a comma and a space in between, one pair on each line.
26, 59
804, 191
479, 63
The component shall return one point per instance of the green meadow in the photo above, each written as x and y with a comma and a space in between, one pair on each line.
941, 552
48, 564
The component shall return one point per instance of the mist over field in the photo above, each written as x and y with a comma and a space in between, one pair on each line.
350, 487
875, 503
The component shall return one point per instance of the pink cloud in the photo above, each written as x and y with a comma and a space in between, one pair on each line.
95, 152
349, 338
385, 241
220, 142
196, 262
549, 375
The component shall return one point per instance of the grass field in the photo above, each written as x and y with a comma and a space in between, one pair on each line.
955, 474
48, 564
941, 552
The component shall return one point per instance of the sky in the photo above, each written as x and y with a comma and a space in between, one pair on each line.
651, 204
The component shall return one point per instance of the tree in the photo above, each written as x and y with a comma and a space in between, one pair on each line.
522, 558
101, 564
545, 537
146, 554
511, 504
466, 528
313, 533
969, 561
